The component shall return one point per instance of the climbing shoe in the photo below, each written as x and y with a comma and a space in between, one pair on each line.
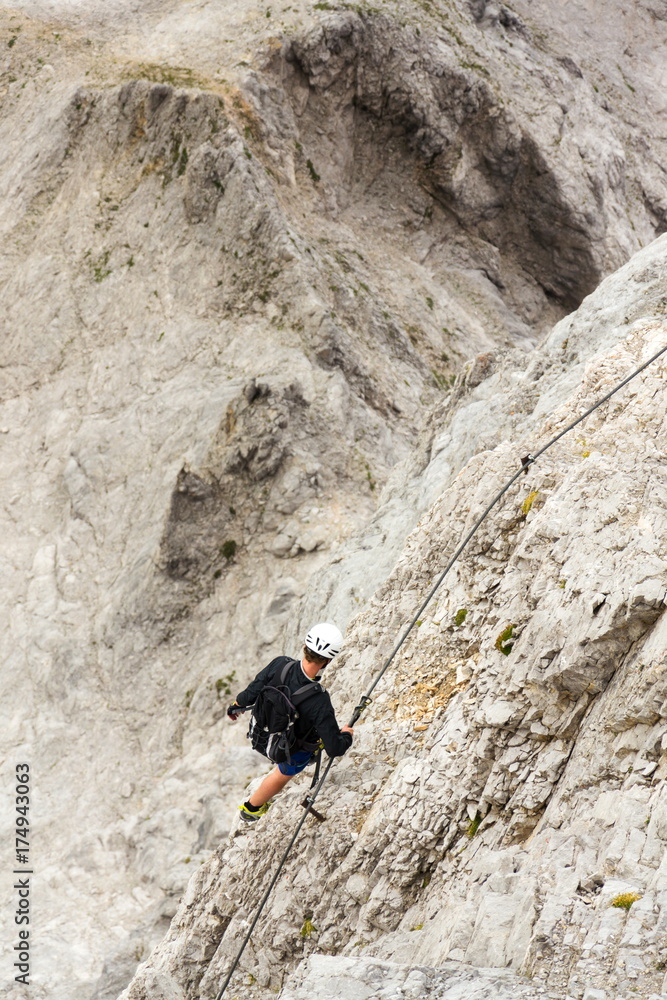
251, 813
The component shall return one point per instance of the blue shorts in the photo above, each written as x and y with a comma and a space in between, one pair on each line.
300, 759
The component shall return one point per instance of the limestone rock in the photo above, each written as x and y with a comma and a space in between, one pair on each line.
331, 977
507, 826
272, 285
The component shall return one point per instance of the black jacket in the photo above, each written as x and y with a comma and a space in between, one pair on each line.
316, 721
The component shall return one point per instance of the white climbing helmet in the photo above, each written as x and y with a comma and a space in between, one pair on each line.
325, 640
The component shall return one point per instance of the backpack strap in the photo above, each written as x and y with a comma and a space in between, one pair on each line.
286, 669
301, 693
305, 692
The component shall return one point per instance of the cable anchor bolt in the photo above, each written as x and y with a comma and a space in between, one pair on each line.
308, 804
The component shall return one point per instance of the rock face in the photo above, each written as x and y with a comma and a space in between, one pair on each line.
354, 978
505, 793
272, 288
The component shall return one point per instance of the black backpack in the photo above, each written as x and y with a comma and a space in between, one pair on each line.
274, 713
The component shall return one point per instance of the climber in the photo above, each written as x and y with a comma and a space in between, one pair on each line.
313, 725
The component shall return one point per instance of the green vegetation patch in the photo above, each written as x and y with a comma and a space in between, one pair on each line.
474, 826
529, 501
223, 685
308, 927
176, 76
228, 549
312, 171
100, 269
625, 900
502, 643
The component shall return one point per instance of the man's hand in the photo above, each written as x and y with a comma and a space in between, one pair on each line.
347, 729
234, 711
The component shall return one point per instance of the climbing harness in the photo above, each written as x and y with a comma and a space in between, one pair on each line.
365, 701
